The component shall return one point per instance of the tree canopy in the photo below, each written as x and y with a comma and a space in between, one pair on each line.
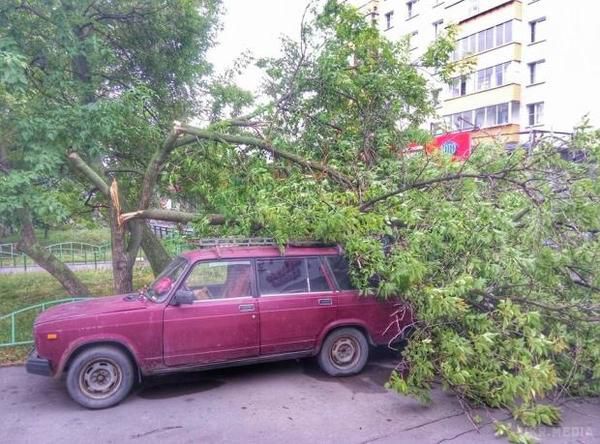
495, 255
105, 80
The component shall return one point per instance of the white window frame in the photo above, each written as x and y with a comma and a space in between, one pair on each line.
437, 27
534, 72
410, 9
535, 114
534, 30
389, 17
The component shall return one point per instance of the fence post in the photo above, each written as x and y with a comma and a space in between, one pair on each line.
95, 261
12, 328
24, 262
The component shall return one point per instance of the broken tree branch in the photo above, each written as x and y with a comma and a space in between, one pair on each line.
155, 251
172, 216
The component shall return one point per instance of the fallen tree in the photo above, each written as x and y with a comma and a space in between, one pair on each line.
496, 255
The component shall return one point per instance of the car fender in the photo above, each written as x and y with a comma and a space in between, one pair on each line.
106, 339
341, 323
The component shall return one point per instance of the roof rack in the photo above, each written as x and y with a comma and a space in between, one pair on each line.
254, 242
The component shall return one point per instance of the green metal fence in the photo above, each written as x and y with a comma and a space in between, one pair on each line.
79, 253
15, 327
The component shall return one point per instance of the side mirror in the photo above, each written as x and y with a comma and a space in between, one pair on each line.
183, 297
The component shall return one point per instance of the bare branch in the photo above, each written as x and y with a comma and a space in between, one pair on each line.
154, 167
499, 175
78, 164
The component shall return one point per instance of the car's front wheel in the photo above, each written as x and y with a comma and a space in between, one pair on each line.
344, 352
100, 377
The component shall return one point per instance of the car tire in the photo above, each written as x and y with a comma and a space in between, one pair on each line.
344, 352
100, 377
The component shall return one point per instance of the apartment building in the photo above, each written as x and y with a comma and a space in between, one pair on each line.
535, 64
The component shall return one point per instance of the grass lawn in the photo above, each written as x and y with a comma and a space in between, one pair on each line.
24, 289
94, 236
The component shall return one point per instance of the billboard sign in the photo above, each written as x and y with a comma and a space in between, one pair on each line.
457, 145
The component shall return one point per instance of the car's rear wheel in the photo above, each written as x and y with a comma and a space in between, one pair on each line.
344, 352
100, 377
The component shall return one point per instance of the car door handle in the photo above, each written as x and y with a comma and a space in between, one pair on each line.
246, 307
325, 301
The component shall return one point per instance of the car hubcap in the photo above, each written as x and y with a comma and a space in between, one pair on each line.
344, 352
100, 378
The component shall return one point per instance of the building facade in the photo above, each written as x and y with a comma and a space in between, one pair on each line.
534, 64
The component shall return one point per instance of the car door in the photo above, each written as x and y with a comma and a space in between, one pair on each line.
221, 324
296, 303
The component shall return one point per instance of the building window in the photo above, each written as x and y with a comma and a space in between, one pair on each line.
500, 71
536, 72
535, 113
412, 37
437, 28
389, 20
435, 96
483, 40
459, 86
479, 118
411, 8
537, 30
463, 85
502, 117
455, 87
484, 117
490, 115
503, 33
466, 118
484, 78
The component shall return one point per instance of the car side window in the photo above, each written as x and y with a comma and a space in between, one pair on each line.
316, 275
281, 276
339, 268
220, 280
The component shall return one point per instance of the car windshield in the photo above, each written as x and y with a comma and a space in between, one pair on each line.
160, 288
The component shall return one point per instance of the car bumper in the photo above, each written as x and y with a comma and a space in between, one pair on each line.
37, 365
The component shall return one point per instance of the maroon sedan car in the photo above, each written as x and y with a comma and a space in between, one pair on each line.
210, 308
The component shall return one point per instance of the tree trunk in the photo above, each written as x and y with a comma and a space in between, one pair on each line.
122, 263
154, 250
29, 245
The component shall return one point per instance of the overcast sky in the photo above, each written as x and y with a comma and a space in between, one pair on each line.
255, 25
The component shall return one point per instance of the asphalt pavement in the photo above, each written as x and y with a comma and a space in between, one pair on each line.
287, 402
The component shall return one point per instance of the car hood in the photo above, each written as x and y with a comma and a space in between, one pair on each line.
92, 307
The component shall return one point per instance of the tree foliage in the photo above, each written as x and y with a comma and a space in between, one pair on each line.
496, 255
103, 79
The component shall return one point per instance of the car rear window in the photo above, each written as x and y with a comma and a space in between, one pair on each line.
277, 276
316, 275
291, 275
339, 268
